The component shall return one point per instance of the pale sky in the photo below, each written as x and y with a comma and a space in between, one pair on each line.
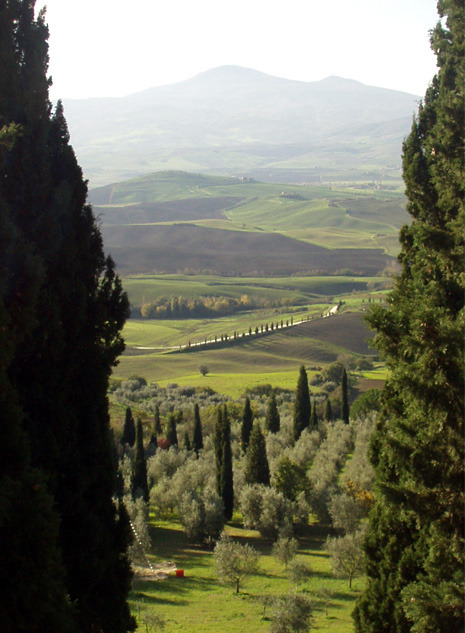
114, 47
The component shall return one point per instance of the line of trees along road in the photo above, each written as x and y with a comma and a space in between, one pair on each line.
64, 565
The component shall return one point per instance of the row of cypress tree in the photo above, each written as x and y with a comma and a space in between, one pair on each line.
305, 415
64, 541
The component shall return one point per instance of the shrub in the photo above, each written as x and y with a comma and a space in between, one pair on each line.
291, 614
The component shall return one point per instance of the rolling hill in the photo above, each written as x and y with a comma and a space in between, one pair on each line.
175, 222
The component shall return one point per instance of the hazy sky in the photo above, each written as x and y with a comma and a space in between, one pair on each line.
116, 47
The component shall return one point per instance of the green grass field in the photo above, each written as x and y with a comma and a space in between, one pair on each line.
199, 604
153, 351
146, 287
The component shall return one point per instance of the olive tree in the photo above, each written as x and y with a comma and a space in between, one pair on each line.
234, 561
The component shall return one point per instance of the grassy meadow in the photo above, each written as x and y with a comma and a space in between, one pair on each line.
197, 602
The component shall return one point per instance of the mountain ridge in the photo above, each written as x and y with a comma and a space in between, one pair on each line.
208, 124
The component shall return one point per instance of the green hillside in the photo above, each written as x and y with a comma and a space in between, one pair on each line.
171, 222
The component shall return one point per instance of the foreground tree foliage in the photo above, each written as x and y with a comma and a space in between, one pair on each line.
61, 313
415, 545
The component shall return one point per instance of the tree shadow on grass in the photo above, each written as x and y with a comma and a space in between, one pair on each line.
158, 590
181, 550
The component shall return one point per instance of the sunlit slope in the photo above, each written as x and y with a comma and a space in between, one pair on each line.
289, 291
317, 342
172, 222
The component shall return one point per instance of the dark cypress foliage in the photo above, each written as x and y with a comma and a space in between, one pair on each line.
60, 369
344, 397
139, 481
328, 412
257, 470
273, 421
302, 404
153, 441
198, 438
129, 429
186, 443
157, 423
218, 448
313, 417
227, 486
247, 423
171, 431
415, 544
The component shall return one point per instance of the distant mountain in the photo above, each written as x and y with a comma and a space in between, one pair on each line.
239, 121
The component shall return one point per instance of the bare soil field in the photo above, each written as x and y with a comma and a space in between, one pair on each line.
180, 247
346, 330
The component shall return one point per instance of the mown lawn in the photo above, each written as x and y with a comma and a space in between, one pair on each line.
197, 603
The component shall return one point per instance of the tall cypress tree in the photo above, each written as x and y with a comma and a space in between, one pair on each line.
273, 421
157, 422
139, 480
62, 362
415, 545
171, 432
328, 412
247, 423
198, 438
129, 429
302, 404
344, 397
313, 417
227, 486
257, 470
218, 448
